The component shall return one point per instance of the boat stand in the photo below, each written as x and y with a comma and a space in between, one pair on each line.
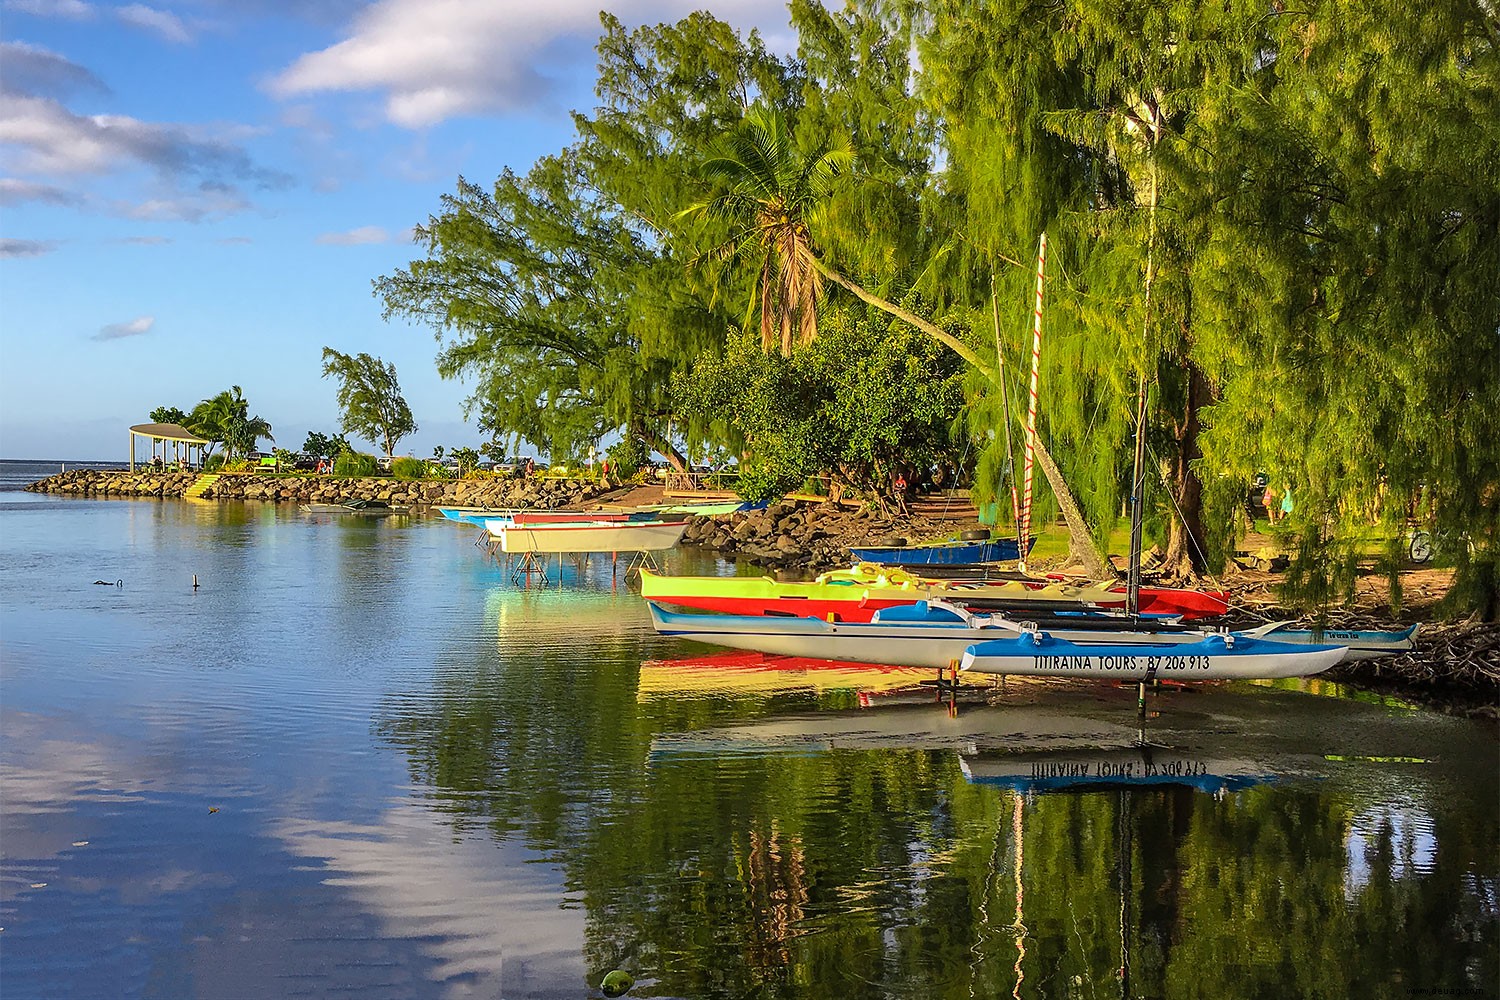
529, 564
638, 561
950, 686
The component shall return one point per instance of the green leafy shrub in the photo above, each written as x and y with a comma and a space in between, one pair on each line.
407, 467
214, 463
762, 482
355, 464
626, 457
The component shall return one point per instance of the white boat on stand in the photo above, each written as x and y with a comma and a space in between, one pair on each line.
578, 537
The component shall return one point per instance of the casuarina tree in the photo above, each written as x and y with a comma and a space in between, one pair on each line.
369, 397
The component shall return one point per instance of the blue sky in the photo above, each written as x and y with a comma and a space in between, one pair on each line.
198, 193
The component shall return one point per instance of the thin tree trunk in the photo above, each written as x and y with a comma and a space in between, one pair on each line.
1081, 547
1185, 550
659, 443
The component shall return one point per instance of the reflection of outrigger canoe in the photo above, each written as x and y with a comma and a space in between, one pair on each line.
371, 508
853, 595
1110, 767
750, 673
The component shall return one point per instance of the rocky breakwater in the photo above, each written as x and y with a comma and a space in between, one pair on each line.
544, 494
102, 483
804, 535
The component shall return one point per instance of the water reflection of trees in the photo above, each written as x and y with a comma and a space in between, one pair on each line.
863, 873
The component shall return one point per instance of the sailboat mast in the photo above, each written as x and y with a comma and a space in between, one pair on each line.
1138, 477
1010, 455
1137, 504
1036, 364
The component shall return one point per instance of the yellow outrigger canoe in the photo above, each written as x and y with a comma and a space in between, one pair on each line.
853, 595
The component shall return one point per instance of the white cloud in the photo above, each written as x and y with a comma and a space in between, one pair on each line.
31, 69
15, 191
53, 140
132, 328
209, 202
68, 10
145, 241
440, 59
25, 248
356, 237
164, 23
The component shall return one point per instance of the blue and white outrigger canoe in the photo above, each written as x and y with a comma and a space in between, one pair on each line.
1214, 656
1362, 644
936, 634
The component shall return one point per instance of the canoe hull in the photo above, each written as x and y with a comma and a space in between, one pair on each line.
1362, 644
935, 644
944, 554
854, 595
1214, 657
584, 537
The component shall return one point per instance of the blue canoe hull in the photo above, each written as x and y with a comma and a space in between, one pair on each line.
945, 553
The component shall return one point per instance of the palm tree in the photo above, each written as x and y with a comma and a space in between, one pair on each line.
775, 197
225, 418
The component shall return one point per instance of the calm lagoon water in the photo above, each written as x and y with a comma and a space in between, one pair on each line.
361, 760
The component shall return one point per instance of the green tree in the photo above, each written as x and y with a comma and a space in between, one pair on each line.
774, 195
225, 419
544, 294
320, 445
771, 202
369, 398
860, 402
467, 459
169, 415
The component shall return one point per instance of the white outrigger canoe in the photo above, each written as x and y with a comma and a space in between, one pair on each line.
937, 634
585, 536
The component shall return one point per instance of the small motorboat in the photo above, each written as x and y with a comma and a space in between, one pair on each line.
368, 508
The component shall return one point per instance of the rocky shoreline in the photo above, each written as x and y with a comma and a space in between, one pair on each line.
789, 535
1455, 667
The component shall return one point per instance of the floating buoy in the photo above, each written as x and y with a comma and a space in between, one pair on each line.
616, 983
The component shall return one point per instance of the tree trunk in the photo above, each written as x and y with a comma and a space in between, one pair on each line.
1081, 547
659, 443
1185, 550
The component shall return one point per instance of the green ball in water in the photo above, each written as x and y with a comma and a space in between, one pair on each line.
616, 983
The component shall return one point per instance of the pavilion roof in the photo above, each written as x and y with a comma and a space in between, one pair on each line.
168, 432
